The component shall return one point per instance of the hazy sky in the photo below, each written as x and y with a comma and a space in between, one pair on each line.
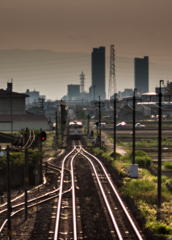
137, 28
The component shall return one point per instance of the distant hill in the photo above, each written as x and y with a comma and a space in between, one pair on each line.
50, 72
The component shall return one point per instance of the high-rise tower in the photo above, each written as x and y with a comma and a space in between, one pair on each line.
98, 72
82, 78
141, 67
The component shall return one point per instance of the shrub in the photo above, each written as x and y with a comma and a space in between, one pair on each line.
141, 190
34, 156
170, 181
3, 162
17, 158
141, 161
148, 161
163, 179
167, 165
141, 158
140, 153
159, 228
118, 155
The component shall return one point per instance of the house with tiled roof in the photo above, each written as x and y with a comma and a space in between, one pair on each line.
13, 116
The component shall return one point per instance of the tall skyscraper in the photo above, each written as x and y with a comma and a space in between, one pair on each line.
141, 66
73, 92
98, 73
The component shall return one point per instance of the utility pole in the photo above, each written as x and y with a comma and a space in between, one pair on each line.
41, 155
11, 112
62, 116
88, 117
159, 154
114, 126
56, 138
100, 122
134, 114
9, 193
26, 173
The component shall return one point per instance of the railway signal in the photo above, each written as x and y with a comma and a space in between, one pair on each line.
43, 136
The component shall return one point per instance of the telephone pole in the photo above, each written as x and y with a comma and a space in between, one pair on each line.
159, 154
26, 173
134, 119
100, 103
56, 138
114, 126
9, 192
88, 117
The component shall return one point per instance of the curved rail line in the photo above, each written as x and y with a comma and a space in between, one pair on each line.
117, 195
56, 231
109, 209
105, 199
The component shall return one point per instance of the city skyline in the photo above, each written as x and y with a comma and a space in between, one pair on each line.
136, 28
50, 73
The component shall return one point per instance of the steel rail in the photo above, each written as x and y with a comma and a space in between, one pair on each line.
33, 205
22, 194
73, 197
58, 168
31, 200
105, 199
118, 197
60, 196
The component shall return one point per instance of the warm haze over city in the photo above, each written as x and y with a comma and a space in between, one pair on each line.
64, 34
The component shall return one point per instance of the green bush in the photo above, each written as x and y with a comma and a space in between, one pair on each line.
163, 179
170, 181
140, 153
141, 190
159, 228
141, 161
3, 162
141, 158
118, 155
17, 158
145, 190
167, 165
34, 156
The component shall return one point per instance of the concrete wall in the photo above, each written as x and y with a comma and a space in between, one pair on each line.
18, 105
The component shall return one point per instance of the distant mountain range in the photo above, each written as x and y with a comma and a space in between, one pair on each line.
50, 72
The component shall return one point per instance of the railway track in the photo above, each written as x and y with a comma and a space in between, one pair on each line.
119, 221
86, 203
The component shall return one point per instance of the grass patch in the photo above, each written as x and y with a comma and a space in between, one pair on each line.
166, 143
118, 142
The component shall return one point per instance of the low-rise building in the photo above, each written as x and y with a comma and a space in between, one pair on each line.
13, 115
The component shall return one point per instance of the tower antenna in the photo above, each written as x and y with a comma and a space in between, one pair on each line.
112, 80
